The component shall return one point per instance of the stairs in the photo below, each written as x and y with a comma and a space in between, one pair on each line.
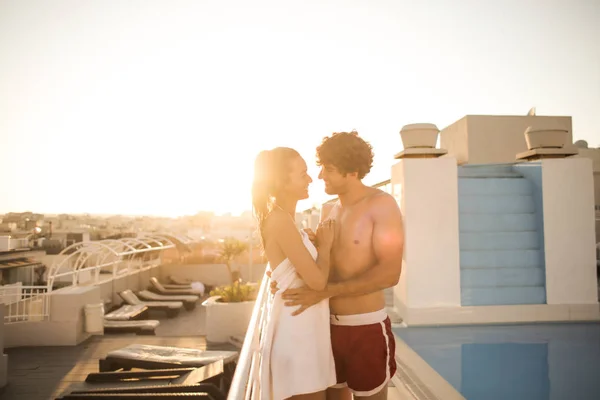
389, 297
501, 237
389, 306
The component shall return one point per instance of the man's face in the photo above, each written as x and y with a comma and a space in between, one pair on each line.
335, 182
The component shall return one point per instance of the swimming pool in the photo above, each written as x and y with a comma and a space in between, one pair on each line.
529, 362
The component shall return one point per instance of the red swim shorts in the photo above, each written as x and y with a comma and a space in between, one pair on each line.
363, 350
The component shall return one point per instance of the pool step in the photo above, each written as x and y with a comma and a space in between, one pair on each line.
389, 297
528, 240
502, 277
500, 238
493, 296
494, 186
498, 222
531, 258
488, 171
496, 204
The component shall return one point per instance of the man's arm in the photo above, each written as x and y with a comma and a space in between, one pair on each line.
388, 246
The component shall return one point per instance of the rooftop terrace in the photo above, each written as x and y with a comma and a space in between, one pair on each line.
45, 372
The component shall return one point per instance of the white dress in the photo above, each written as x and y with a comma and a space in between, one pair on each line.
295, 351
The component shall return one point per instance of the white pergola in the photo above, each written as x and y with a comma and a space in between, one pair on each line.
130, 253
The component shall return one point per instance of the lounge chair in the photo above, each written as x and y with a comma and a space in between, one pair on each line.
180, 281
206, 383
172, 307
139, 327
127, 312
189, 301
157, 287
172, 285
185, 282
158, 357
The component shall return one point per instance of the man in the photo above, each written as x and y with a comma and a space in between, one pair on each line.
366, 259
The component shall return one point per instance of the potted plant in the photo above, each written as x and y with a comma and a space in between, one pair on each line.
419, 135
229, 307
228, 311
545, 138
232, 248
39, 273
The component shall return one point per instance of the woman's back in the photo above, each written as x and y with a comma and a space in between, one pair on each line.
296, 350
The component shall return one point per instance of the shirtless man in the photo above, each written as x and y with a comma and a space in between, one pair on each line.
366, 258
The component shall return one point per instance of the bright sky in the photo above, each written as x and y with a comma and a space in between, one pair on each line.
159, 107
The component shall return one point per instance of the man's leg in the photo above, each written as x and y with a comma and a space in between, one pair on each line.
382, 395
309, 396
339, 394
372, 364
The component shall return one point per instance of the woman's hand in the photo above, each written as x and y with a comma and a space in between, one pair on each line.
311, 236
326, 233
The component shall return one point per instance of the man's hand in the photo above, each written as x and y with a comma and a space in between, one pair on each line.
303, 297
274, 288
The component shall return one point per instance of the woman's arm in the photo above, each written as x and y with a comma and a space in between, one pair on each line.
282, 230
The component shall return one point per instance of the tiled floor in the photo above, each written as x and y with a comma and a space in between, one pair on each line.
44, 372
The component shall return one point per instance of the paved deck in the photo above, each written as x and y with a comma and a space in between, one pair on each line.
41, 373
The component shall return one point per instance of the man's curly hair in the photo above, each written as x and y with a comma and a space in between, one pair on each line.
346, 151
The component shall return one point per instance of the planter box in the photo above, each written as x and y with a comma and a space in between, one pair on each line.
224, 320
545, 138
419, 135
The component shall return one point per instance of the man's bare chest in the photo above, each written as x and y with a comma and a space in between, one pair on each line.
353, 229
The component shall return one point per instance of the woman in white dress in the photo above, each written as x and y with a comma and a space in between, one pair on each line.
296, 359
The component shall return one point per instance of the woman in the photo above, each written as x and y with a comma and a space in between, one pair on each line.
296, 356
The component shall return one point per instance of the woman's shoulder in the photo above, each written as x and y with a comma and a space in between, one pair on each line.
276, 220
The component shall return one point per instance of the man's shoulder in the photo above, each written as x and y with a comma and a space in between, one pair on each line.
382, 203
380, 198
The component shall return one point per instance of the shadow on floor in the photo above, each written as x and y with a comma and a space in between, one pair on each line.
41, 373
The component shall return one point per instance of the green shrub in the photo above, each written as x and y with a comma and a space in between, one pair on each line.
235, 293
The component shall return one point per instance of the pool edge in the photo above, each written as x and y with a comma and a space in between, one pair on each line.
415, 376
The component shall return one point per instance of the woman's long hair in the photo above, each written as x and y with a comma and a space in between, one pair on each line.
271, 171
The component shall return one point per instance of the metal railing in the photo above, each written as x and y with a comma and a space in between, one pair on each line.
25, 303
84, 263
245, 378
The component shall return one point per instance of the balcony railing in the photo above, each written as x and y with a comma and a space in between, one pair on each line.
83, 263
246, 372
24, 303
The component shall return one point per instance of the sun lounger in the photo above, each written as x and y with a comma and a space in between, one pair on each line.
171, 307
189, 301
127, 312
140, 327
156, 357
180, 281
156, 286
205, 382
185, 282
176, 286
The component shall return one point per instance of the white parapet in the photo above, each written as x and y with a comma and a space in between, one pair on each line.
429, 290
569, 231
427, 192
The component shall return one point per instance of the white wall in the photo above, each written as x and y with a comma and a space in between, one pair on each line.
486, 139
569, 231
427, 192
66, 326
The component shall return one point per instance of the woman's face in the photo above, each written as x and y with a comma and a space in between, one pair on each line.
297, 186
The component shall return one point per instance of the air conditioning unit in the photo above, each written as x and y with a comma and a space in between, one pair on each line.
5, 243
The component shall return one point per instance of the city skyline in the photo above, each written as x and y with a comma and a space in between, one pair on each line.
160, 109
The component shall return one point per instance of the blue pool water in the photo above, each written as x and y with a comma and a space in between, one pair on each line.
529, 362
